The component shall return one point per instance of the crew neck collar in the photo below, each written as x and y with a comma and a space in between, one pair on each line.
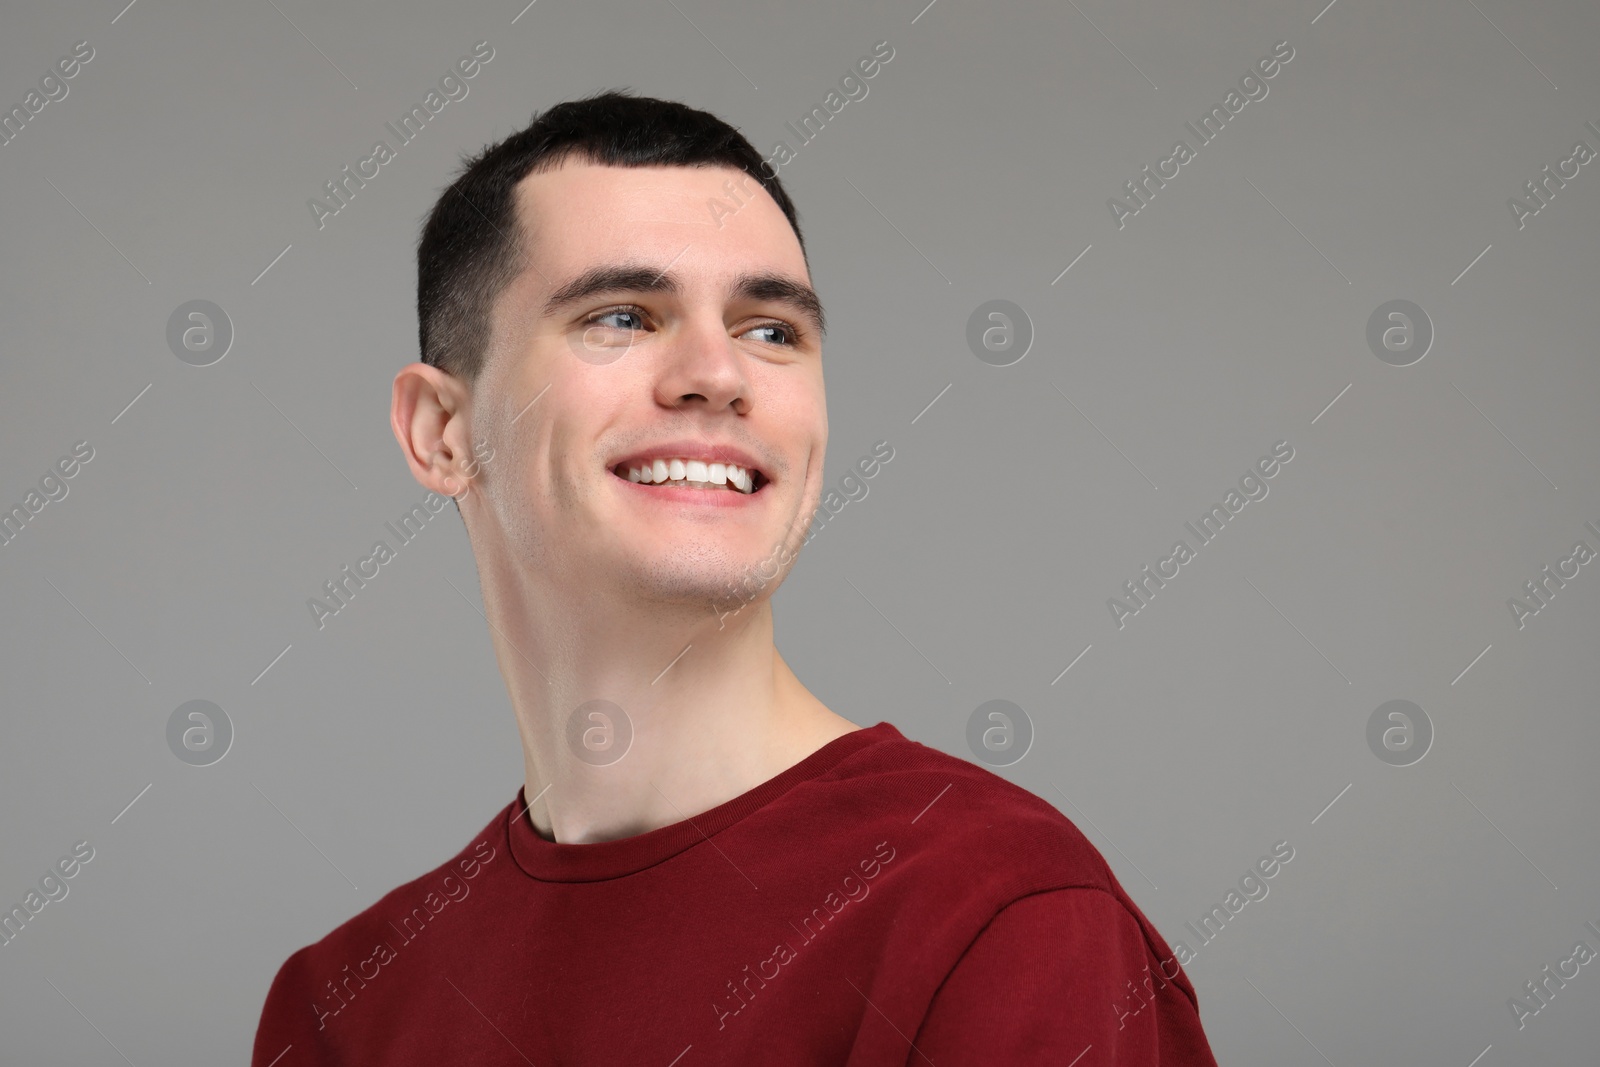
551, 861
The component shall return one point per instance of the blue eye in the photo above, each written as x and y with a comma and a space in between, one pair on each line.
789, 332
619, 311
781, 333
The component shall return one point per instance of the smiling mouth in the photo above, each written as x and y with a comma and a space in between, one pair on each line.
693, 474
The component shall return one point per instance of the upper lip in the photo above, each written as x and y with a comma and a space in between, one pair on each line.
709, 452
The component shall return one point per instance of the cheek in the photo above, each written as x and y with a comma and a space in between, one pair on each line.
520, 486
791, 420
555, 471
807, 450
797, 411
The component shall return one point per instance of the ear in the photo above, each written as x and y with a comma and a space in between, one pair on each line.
431, 414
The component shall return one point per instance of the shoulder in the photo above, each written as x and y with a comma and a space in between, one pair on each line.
980, 871
960, 817
1064, 969
424, 896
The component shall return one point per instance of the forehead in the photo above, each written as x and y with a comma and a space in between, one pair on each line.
707, 222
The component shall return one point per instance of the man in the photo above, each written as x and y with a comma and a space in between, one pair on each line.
706, 864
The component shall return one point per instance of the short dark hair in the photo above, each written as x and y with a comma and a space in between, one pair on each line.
471, 249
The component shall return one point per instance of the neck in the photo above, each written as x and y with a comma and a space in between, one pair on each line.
636, 715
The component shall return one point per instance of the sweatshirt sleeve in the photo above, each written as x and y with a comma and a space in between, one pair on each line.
287, 1019
1061, 977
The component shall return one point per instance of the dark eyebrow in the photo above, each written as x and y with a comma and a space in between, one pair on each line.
763, 285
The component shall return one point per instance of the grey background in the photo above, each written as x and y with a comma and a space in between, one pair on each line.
1226, 316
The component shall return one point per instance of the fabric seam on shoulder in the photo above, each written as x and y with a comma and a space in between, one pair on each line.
1149, 948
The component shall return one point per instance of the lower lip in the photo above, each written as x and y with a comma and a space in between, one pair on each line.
682, 494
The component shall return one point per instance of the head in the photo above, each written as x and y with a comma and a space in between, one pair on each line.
623, 280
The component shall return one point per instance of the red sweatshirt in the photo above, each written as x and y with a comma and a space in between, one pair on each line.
878, 903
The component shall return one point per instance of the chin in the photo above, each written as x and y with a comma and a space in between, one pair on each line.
704, 581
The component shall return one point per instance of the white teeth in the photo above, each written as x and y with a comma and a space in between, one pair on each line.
693, 472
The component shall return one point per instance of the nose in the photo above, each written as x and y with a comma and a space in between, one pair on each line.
702, 365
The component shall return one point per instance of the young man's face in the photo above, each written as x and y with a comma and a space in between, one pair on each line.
700, 348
